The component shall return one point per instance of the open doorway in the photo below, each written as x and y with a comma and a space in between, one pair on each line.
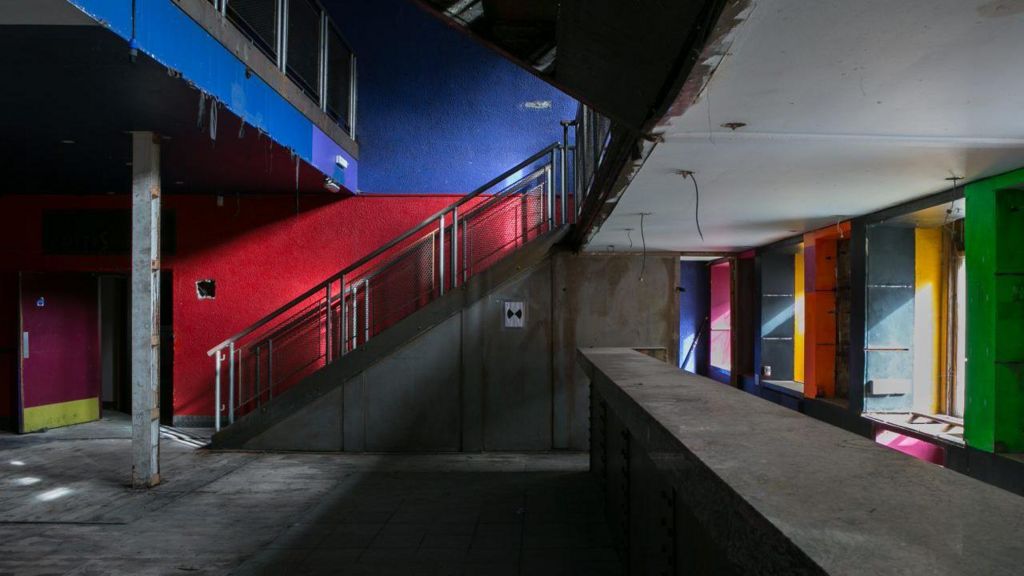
115, 354
694, 312
955, 386
115, 344
721, 336
915, 360
782, 318
166, 347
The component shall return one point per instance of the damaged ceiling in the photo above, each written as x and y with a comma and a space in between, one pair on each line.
622, 58
803, 114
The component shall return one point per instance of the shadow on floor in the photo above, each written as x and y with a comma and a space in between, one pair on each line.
66, 508
436, 515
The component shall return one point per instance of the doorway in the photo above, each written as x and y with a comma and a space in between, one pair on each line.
166, 348
721, 336
59, 375
115, 344
115, 353
74, 348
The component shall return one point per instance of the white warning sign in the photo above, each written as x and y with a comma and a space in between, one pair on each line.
515, 313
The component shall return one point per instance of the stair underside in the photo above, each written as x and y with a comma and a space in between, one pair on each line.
332, 378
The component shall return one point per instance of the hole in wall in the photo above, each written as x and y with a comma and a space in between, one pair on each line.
206, 289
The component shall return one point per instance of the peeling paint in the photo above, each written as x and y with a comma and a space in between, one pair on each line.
722, 37
538, 105
164, 32
1001, 8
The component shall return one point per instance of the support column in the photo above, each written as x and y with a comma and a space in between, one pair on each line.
145, 339
858, 313
994, 233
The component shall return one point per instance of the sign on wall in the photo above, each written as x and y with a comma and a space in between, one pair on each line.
515, 313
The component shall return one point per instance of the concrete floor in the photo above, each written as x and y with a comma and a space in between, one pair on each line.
65, 508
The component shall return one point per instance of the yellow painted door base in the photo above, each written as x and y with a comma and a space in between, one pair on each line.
60, 414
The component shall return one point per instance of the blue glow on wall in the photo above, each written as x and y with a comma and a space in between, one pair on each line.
694, 307
439, 112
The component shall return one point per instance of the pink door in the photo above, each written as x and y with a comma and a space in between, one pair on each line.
59, 350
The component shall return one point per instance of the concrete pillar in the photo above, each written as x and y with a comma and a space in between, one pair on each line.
145, 343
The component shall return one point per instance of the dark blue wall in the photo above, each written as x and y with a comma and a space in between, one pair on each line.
778, 297
439, 112
694, 307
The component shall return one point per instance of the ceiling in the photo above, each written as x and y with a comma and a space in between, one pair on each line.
72, 97
849, 107
932, 217
42, 12
524, 28
621, 58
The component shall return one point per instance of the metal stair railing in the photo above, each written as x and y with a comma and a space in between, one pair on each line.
592, 135
342, 313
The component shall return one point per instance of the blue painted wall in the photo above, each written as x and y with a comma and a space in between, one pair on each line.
439, 112
694, 307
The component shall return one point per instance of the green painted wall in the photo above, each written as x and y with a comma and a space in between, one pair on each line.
994, 236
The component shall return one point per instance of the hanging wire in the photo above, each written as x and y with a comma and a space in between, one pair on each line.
297, 160
643, 238
213, 120
707, 99
202, 111
696, 192
952, 198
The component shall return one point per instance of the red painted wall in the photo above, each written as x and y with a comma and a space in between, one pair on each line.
258, 251
21, 250
260, 259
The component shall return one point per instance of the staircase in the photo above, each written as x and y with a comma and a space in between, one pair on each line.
525, 29
281, 366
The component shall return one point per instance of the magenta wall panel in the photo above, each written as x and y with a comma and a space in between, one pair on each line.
721, 315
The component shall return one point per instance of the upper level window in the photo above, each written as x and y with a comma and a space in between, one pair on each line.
339, 77
303, 57
258, 19
298, 36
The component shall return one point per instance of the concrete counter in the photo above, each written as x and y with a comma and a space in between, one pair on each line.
700, 477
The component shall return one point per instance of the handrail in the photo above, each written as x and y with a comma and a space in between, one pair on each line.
333, 318
390, 245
